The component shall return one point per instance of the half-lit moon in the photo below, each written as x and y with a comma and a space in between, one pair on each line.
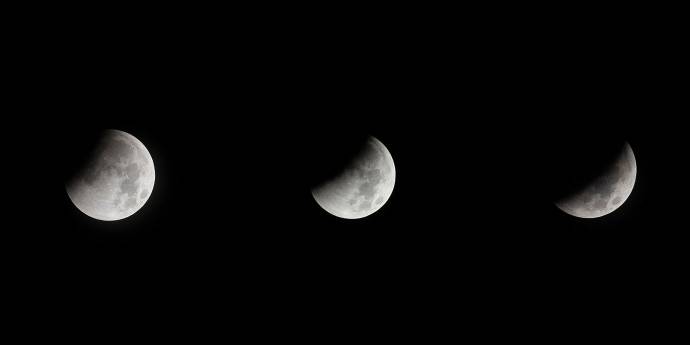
362, 187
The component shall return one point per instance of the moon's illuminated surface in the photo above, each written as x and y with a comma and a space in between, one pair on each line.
606, 193
117, 180
363, 187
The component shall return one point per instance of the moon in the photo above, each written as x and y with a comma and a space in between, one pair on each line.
116, 180
363, 186
607, 192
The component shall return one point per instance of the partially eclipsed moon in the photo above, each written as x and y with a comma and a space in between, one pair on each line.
116, 181
606, 193
363, 187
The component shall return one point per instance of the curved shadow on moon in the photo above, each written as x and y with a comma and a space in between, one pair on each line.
362, 187
605, 193
115, 179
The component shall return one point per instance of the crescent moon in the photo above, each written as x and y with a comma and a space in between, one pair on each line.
363, 187
607, 192
116, 180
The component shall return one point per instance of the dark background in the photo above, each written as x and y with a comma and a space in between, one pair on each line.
239, 116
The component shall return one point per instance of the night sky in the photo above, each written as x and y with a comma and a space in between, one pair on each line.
240, 124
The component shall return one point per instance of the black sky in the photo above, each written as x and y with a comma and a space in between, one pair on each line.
238, 122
